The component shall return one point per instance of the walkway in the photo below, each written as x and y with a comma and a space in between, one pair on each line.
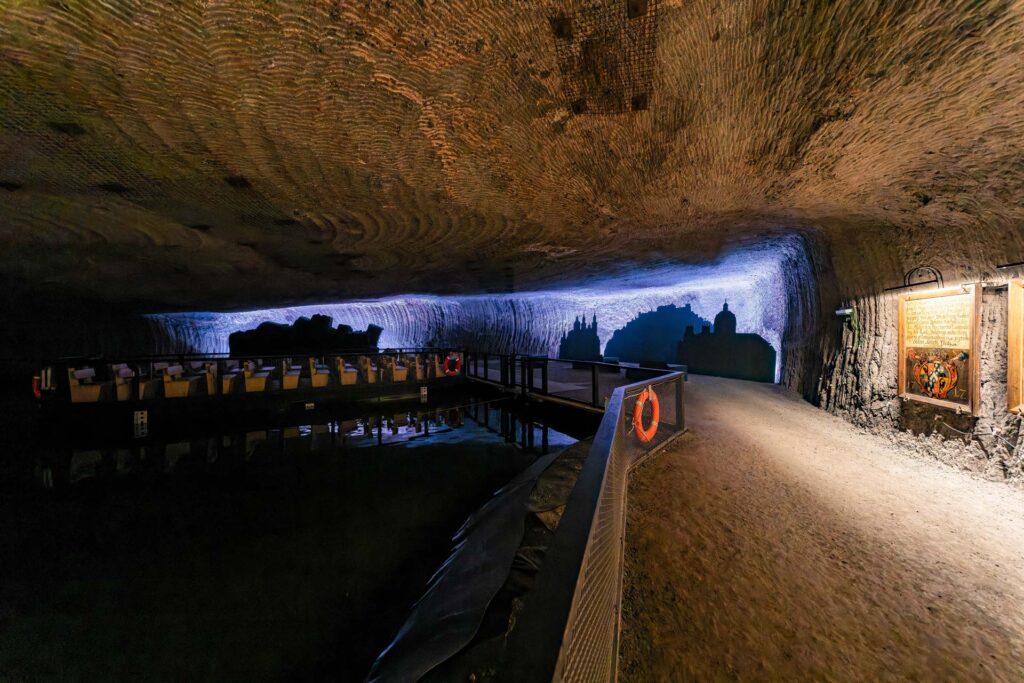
778, 542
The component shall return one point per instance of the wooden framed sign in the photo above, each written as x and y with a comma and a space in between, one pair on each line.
938, 344
1015, 348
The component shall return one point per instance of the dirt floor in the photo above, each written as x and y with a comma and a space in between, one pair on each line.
776, 542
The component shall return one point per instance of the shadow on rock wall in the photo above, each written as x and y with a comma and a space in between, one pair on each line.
653, 336
305, 335
725, 353
581, 342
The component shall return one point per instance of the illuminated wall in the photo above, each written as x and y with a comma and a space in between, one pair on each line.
751, 278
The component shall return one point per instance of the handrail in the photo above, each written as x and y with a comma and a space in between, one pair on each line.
600, 363
569, 627
509, 377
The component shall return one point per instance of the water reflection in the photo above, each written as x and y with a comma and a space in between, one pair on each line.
64, 462
280, 549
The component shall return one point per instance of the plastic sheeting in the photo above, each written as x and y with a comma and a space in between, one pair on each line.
446, 618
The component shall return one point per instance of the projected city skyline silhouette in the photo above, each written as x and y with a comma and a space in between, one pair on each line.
720, 350
653, 336
667, 335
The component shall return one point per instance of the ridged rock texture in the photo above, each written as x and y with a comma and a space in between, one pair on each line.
224, 155
754, 279
229, 155
859, 382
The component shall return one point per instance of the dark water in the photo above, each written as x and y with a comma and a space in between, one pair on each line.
290, 553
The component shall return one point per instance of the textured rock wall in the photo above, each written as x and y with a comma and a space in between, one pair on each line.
859, 382
34, 330
528, 323
63, 324
809, 288
254, 153
769, 283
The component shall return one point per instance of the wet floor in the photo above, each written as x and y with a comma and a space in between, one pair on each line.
288, 553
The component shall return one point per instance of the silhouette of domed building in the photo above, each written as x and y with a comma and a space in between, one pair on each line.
581, 342
725, 353
725, 321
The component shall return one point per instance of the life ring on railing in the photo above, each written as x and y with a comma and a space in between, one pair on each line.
458, 365
645, 435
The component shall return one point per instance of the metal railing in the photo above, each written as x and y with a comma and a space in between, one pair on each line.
569, 627
589, 383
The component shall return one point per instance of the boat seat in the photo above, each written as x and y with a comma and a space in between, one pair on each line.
421, 367
347, 374
437, 366
368, 373
193, 367
210, 375
319, 374
123, 376
412, 364
395, 371
201, 369
177, 384
255, 379
153, 386
229, 380
84, 387
290, 375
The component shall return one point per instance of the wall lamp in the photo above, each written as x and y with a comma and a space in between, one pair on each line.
921, 271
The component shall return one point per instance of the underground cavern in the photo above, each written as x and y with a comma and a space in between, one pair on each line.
575, 340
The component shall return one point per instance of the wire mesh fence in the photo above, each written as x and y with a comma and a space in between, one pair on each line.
569, 629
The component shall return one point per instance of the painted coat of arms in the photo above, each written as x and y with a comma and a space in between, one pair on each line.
937, 373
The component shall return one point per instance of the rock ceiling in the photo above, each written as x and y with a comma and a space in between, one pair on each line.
216, 154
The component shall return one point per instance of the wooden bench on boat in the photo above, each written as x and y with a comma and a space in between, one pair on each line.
178, 385
290, 374
319, 374
347, 374
84, 387
255, 376
368, 372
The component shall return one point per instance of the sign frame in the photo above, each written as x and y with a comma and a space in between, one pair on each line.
973, 404
1015, 347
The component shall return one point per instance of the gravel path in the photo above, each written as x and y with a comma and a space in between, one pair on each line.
775, 541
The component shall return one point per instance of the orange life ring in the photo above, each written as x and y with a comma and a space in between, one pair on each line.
645, 435
458, 365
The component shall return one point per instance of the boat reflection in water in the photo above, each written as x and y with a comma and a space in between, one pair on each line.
278, 552
67, 462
